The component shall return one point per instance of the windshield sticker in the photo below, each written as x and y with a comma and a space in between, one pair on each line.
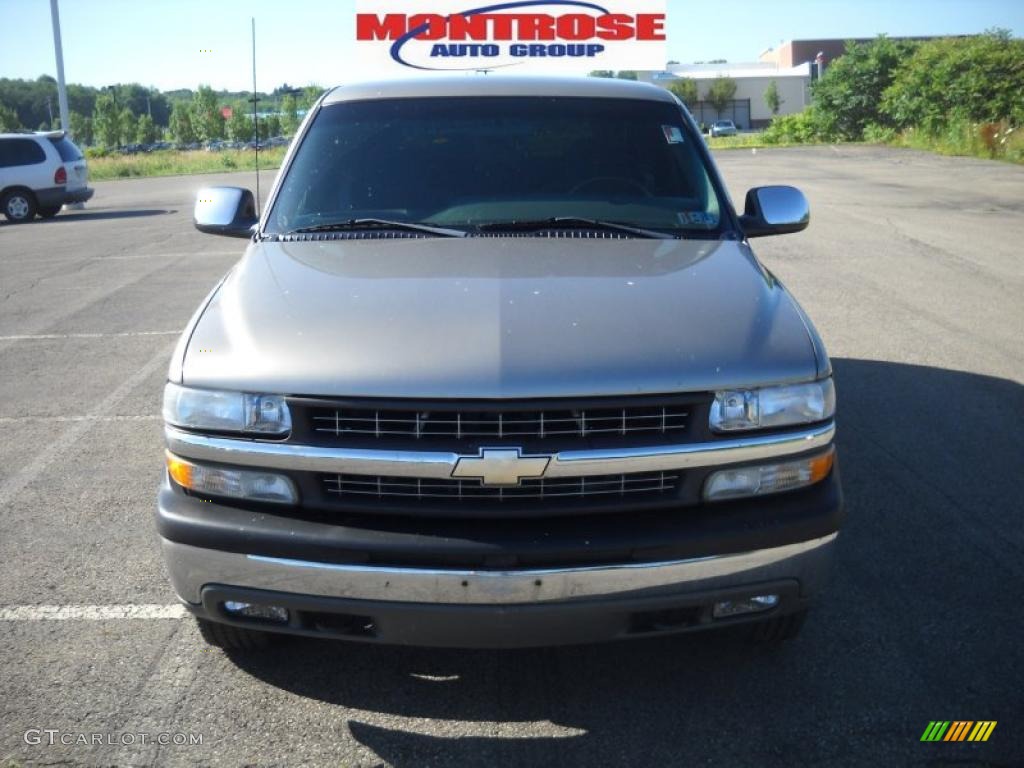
698, 218
673, 134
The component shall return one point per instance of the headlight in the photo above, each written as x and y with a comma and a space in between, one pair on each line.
773, 406
768, 478
252, 485
220, 411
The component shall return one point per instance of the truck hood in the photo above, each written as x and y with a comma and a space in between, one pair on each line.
502, 317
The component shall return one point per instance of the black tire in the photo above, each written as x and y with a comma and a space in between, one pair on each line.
778, 629
18, 205
232, 638
48, 212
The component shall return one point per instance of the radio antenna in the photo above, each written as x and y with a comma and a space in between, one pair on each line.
255, 116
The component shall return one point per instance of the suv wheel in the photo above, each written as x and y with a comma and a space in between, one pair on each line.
778, 629
233, 638
49, 211
19, 205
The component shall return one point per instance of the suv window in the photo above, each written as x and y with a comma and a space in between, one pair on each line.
20, 152
67, 149
501, 159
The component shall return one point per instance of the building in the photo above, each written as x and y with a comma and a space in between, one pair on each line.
792, 66
794, 52
748, 108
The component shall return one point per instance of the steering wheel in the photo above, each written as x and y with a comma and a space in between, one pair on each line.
621, 180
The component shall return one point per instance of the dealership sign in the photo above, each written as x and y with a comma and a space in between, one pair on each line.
526, 35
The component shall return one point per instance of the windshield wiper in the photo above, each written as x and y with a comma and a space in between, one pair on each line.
570, 222
351, 224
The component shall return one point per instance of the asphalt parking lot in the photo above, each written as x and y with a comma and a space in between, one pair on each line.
912, 271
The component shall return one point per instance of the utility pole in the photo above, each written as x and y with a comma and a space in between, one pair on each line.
255, 116
62, 91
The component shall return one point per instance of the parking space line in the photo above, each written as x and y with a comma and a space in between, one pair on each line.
183, 254
44, 336
60, 419
90, 612
64, 441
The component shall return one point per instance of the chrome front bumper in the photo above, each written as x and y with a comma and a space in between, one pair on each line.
193, 568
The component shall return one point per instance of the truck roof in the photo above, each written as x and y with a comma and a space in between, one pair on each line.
497, 85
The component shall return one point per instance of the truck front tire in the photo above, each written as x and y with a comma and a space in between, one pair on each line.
232, 638
778, 629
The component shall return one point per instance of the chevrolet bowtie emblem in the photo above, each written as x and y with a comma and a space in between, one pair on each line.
500, 466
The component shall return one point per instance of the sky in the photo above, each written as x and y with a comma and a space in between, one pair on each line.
171, 44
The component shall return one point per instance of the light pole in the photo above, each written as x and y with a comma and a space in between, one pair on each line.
62, 91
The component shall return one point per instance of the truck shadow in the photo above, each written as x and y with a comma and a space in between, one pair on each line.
921, 619
92, 215
68, 217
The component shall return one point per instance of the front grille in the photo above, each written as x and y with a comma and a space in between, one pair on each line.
523, 425
361, 487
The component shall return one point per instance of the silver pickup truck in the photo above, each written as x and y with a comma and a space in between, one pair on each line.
498, 368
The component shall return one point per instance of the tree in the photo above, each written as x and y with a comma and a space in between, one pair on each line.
81, 128
145, 131
974, 79
181, 127
772, 98
81, 99
309, 96
106, 121
685, 89
8, 119
273, 125
627, 74
720, 93
289, 115
602, 73
129, 126
849, 96
239, 126
208, 122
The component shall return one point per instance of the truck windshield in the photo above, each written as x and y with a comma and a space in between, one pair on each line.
480, 162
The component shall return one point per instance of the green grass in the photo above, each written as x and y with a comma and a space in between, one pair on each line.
757, 141
739, 141
991, 141
175, 163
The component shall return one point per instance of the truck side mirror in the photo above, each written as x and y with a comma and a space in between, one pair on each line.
774, 211
229, 211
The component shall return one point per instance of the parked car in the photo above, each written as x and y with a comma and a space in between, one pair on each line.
39, 173
498, 368
723, 128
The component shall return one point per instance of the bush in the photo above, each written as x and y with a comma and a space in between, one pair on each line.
849, 96
959, 80
798, 128
879, 134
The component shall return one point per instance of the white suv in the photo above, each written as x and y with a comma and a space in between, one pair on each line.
40, 172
